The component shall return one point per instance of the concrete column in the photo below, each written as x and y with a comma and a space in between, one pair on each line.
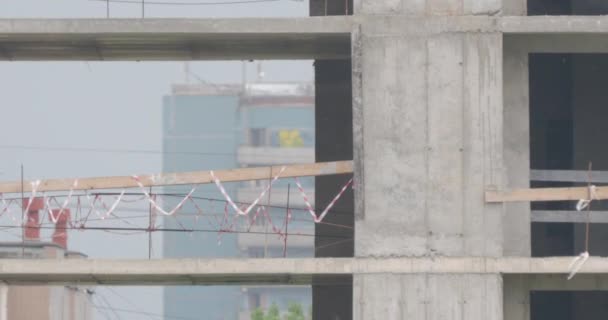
430, 296
428, 130
516, 304
431, 143
516, 225
514, 8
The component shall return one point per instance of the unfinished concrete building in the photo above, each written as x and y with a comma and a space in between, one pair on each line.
438, 102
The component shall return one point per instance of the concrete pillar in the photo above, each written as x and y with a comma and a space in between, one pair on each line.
428, 131
514, 8
516, 304
516, 225
431, 144
516, 228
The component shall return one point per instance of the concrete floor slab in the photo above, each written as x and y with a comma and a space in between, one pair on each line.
269, 271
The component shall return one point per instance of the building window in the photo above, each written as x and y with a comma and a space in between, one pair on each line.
257, 137
254, 301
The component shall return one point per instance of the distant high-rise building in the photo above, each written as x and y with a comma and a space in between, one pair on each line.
211, 126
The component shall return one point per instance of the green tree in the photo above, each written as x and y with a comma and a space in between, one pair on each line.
273, 313
257, 314
295, 312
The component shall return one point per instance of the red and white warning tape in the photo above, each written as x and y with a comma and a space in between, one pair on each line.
155, 205
112, 208
64, 205
238, 210
319, 218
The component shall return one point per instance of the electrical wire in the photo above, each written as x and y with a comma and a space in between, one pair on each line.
169, 3
333, 211
127, 301
8, 227
134, 151
142, 313
109, 306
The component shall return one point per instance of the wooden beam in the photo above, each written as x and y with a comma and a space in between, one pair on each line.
545, 194
183, 178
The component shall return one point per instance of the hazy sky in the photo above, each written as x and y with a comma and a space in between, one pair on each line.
107, 105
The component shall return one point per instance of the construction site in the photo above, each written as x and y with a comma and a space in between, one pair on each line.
452, 167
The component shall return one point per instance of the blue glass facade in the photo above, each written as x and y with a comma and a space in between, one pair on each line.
208, 130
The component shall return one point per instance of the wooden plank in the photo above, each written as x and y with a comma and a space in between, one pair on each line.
545, 194
182, 178
569, 216
580, 176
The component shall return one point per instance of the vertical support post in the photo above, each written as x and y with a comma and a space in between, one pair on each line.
286, 221
150, 227
23, 205
266, 218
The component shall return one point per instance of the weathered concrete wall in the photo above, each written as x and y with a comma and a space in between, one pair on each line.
514, 7
428, 136
430, 296
432, 142
516, 305
516, 225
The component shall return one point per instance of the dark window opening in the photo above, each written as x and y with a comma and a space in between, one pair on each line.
567, 7
568, 305
568, 116
257, 137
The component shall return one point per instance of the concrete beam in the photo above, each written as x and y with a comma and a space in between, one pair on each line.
553, 24
558, 43
175, 39
251, 38
268, 271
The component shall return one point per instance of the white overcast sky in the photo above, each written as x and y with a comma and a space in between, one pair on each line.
107, 105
